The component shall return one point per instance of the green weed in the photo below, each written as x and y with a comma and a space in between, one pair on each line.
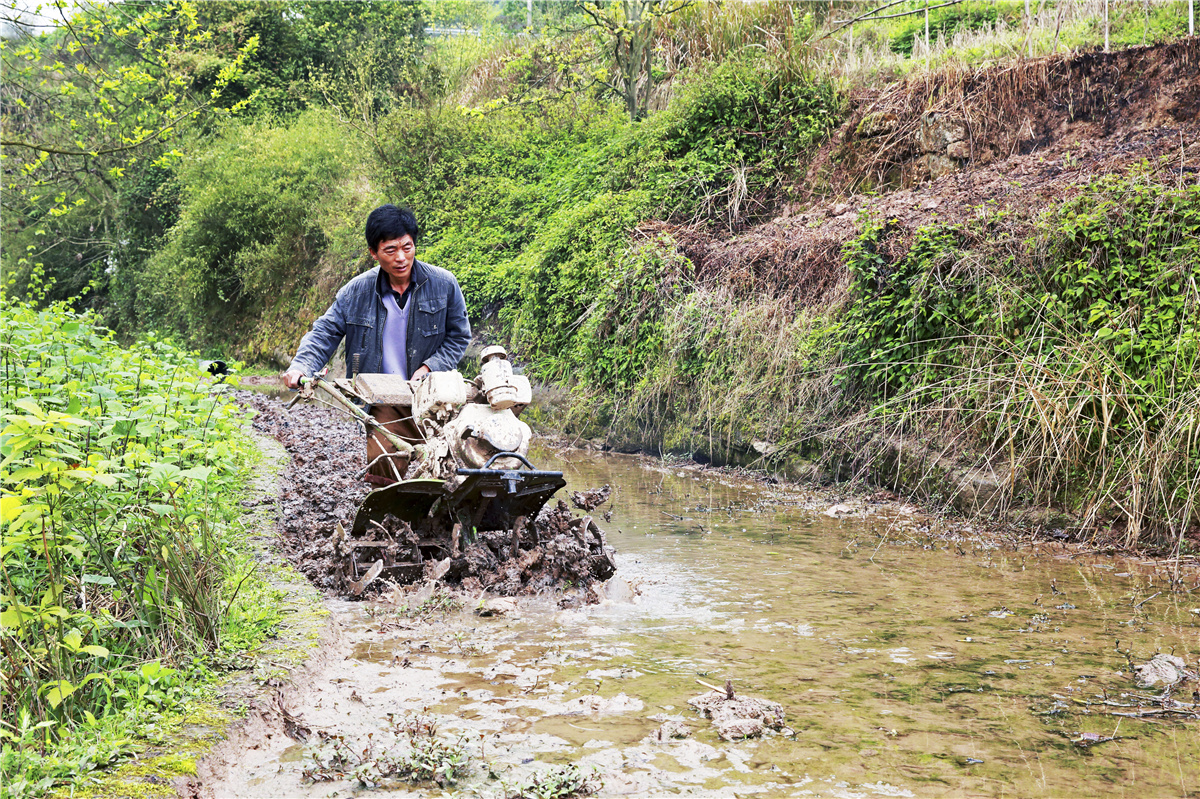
123, 467
409, 751
559, 782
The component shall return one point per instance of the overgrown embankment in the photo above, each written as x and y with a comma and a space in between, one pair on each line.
1021, 330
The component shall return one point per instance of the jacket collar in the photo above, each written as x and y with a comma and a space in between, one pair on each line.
420, 276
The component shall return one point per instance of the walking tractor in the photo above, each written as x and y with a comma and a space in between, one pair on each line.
459, 466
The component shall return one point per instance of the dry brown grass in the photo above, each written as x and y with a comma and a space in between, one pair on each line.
1012, 108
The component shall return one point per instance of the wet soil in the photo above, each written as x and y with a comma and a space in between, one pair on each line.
322, 488
905, 660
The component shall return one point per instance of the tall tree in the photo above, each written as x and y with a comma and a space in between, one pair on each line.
628, 28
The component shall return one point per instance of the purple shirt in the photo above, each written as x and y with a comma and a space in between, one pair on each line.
395, 332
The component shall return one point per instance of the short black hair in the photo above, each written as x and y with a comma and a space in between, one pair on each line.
388, 222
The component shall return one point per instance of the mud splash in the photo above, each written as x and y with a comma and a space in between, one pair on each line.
909, 660
320, 494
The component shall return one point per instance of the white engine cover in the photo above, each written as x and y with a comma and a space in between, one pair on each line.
438, 395
479, 432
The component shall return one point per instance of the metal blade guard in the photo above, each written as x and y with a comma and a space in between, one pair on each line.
487, 499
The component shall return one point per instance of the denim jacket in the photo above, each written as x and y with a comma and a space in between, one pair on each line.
438, 330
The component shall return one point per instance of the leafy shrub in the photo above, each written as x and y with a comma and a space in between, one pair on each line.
1075, 359
563, 271
560, 782
729, 138
1122, 269
968, 16
901, 312
1115, 265
410, 751
263, 211
624, 332
122, 468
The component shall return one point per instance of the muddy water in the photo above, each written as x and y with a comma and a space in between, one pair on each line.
908, 666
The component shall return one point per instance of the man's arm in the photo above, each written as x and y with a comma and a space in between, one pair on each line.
318, 344
458, 334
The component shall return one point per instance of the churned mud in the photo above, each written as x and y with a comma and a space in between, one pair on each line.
322, 488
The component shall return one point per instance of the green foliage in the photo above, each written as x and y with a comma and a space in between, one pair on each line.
90, 107
104, 107
559, 782
411, 751
901, 312
260, 208
1117, 268
1122, 270
359, 58
1076, 359
967, 16
624, 334
1133, 24
726, 144
122, 471
565, 271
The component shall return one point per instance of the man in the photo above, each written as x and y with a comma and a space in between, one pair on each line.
403, 317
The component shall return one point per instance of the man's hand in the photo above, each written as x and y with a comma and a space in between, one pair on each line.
292, 378
422, 370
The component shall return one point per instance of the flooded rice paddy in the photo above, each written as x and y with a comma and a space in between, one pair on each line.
908, 663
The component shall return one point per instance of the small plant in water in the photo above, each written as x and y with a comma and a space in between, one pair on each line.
414, 753
556, 783
441, 601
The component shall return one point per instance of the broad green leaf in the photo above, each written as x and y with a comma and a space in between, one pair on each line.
200, 473
58, 691
30, 406
10, 507
12, 617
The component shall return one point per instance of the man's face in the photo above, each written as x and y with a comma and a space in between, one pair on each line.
395, 257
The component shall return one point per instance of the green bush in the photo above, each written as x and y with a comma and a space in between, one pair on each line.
968, 16
123, 468
263, 210
725, 146
1074, 357
563, 271
928, 301
1114, 265
1121, 269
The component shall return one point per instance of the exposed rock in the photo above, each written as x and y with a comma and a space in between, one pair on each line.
671, 730
739, 729
739, 717
497, 606
1163, 669
959, 150
939, 131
